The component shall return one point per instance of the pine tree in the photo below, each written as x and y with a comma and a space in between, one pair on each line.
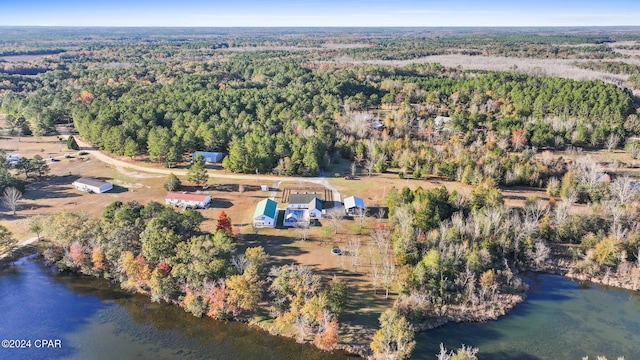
131, 148
172, 183
197, 173
72, 144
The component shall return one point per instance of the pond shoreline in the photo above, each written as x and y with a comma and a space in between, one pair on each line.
17, 254
484, 312
627, 278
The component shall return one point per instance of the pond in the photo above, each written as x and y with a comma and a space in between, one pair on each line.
93, 319
560, 319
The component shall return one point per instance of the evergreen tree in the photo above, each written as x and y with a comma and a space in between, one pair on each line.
72, 144
172, 183
39, 166
131, 148
197, 173
6, 240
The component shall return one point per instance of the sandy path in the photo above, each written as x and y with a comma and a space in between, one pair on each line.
212, 173
26, 242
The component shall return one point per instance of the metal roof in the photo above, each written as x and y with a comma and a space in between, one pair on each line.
315, 204
302, 198
353, 202
188, 197
266, 207
214, 156
92, 182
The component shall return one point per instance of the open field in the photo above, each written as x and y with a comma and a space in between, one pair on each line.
56, 193
548, 67
21, 58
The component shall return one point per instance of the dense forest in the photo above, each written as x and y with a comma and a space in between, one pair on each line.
294, 111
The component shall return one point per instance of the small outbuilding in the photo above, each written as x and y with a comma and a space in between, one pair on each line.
13, 158
191, 201
210, 157
265, 214
353, 205
92, 186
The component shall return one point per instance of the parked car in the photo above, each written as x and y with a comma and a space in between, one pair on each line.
205, 187
336, 251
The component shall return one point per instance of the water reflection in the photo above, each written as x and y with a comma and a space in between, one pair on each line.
561, 319
96, 320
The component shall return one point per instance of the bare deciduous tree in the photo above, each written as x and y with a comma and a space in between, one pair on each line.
612, 141
535, 210
589, 171
634, 149
622, 190
10, 198
388, 276
369, 165
354, 249
539, 254
382, 239
375, 277
465, 352
360, 217
303, 229
302, 326
334, 216
240, 262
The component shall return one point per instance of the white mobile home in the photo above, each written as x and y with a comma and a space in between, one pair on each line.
90, 185
184, 200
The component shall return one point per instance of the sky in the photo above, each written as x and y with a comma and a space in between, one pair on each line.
256, 13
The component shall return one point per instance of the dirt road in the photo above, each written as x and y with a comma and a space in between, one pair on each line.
212, 173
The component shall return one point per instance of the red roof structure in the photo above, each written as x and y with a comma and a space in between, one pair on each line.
187, 197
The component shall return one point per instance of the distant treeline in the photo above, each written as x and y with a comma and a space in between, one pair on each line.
31, 52
614, 67
286, 111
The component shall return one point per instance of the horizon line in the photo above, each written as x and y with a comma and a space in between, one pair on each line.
327, 26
